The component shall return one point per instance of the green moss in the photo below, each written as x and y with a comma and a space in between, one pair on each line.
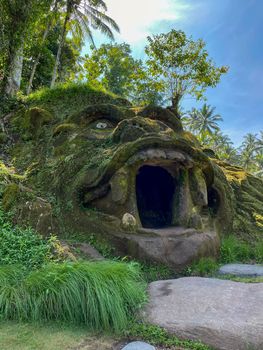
67, 99
63, 128
3, 138
34, 119
226, 211
163, 114
101, 110
28, 122
248, 201
10, 195
8, 175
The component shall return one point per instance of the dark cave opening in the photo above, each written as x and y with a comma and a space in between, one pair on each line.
213, 200
154, 191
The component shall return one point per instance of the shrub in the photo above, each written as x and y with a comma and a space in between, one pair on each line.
22, 245
235, 250
101, 295
258, 251
204, 267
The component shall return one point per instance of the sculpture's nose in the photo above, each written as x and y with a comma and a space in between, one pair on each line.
131, 129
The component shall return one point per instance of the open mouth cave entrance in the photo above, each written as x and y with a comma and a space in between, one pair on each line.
154, 191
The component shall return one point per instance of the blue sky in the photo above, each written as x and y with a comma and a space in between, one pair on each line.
233, 32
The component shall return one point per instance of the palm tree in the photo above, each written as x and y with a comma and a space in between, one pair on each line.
248, 149
81, 16
203, 121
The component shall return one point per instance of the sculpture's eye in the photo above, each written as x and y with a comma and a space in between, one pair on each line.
102, 124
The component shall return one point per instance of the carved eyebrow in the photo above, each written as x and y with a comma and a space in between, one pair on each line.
102, 111
162, 114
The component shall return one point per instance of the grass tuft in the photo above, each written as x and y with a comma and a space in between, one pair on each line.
233, 249
100, 295
204, 267
159, 336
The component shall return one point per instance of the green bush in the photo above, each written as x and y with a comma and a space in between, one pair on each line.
101, 295
258, 251
235, 250
204, 267
22, 245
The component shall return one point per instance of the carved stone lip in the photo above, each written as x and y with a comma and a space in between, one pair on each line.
165, 157
148, 148
161, 156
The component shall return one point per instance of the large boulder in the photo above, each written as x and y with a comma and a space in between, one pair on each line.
223, 314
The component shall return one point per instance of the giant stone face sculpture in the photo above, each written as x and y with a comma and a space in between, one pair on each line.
135, 177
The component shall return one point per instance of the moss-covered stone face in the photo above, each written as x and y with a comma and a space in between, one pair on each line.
134, 176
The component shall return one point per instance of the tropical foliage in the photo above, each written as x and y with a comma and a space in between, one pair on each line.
113, 67
182, 65
28, 23
204, 123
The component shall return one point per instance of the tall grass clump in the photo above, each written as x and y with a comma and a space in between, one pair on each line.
204, 267
100, 295
233, 249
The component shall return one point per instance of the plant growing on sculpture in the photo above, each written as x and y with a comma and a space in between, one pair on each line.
182, 65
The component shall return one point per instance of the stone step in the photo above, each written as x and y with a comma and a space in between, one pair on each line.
241, 270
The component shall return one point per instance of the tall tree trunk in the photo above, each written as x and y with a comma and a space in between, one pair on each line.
14, 74
176, 98
60, 47
33, 71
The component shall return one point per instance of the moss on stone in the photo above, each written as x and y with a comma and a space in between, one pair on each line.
101, 111
29, 122
3, 138
65, 160
159, 113
64, 128
247, 201
68, 99
10, 196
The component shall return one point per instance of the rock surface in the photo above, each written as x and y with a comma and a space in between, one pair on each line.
241, 270
138, 345
223, 314
174, 246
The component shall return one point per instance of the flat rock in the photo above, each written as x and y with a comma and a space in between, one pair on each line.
220, 313
177, 247
138, 345
241, 270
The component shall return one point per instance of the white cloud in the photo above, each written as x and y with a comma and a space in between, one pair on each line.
136, 17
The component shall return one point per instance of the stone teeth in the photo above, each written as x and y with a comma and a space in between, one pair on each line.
175, 155
155, 154
152, 153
